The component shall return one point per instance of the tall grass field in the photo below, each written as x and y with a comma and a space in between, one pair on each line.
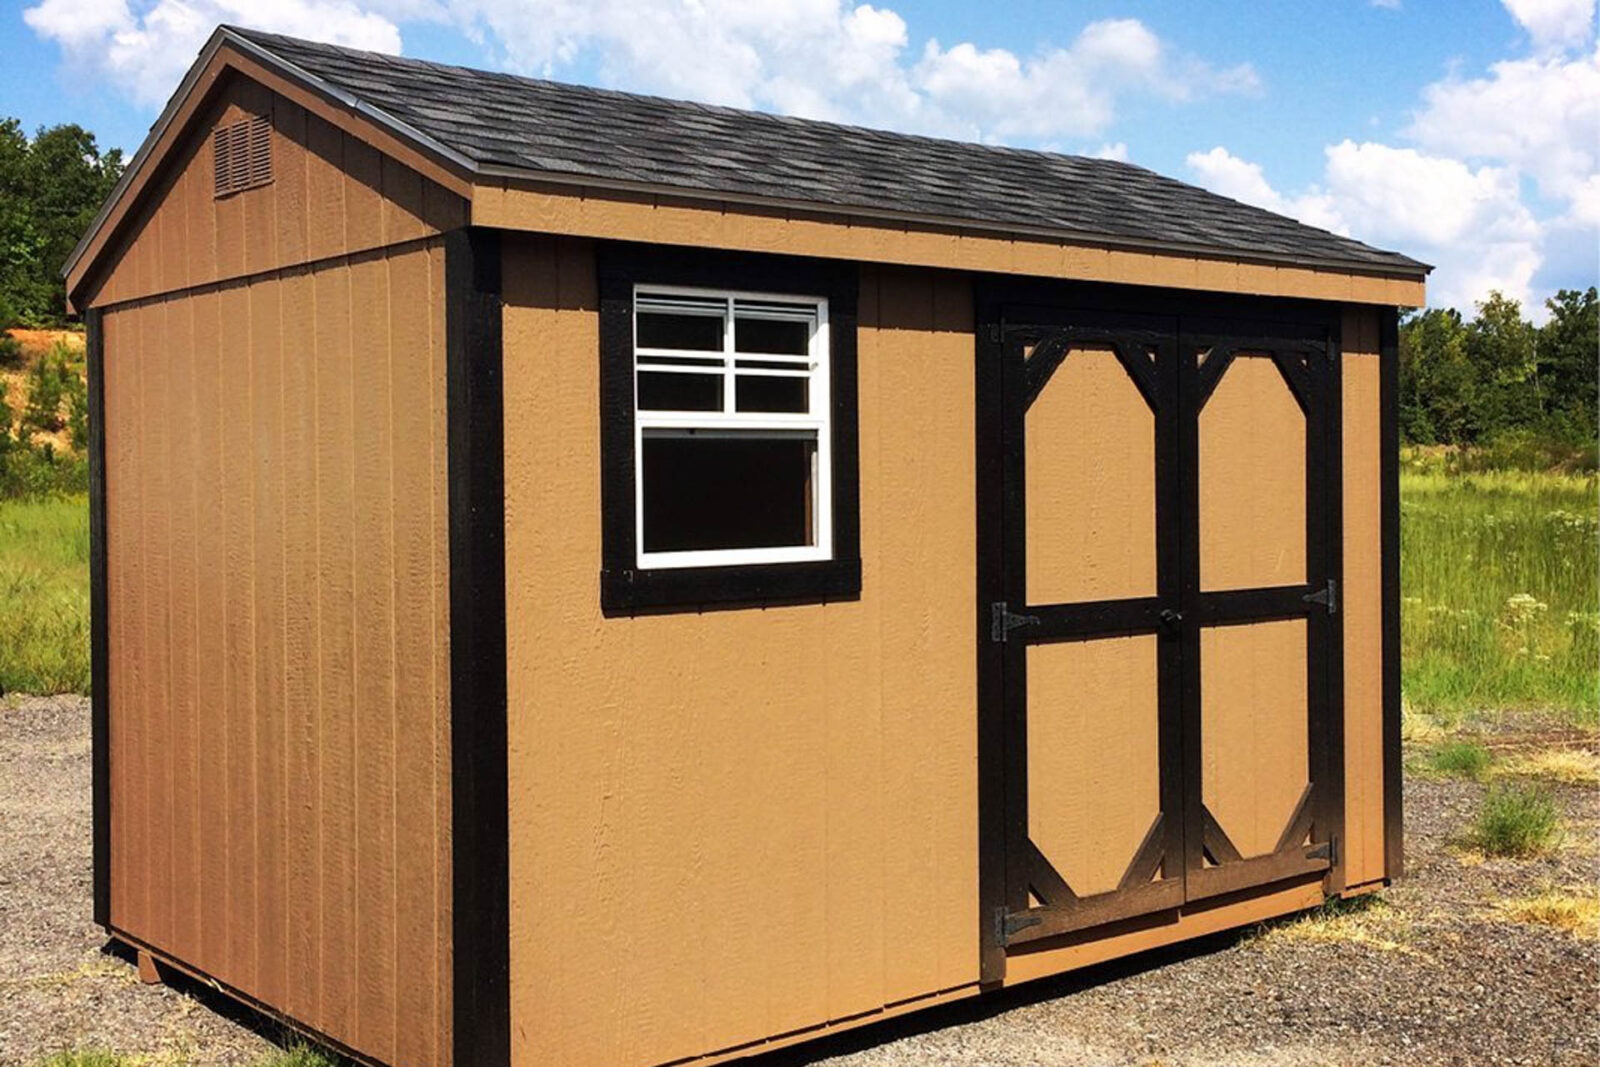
44, 595
1500, 600
1500, 594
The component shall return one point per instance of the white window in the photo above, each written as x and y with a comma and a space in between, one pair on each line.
731, 430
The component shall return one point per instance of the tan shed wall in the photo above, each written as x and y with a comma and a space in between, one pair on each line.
332, 194
1362, 600
732, 825
277, 553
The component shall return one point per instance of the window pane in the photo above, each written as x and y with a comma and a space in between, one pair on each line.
775, 337
680, 392
727, 491
763, 393
699, 332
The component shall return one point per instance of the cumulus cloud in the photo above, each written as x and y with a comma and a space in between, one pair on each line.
144, 50
1470, 222
1554, 23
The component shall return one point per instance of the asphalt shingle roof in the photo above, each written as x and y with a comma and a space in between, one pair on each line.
502, 121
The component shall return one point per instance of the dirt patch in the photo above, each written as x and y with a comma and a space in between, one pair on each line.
58, 990
1442, 970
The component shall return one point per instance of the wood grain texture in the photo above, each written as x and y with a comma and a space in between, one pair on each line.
332, 194
1362, 601
1091, 484
1253, 729
1252, 480
1093, 756
736, 806
280, 735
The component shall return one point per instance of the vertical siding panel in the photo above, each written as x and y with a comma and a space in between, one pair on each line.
122, 496
179, 461
1363, 596
410, 400
239, 523
200, 231
363, 210
300, 505
212, 380
174, 235
951, 785
324, 188
289, 182
440, 527
374, 605
402, 202
157, 705
266, 365
336, 664
260, 205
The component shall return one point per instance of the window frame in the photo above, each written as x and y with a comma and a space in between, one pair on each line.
816, 420
631, 580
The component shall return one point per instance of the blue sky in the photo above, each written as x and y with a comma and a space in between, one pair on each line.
1466, 133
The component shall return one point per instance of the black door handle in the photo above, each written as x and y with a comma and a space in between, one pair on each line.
1171, 621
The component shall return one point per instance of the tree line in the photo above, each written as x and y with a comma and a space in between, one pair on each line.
1499, 379
51, 186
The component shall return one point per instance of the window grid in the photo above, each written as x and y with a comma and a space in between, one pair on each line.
729, 365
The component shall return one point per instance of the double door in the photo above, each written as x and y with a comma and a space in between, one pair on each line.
1160, 695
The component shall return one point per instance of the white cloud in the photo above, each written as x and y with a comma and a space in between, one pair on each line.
1117, 150
1554, 23
1470, 222
816, 58
1539, 115
144, 49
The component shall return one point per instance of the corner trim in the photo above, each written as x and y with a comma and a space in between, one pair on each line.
99, 625
1389, 569
479, 860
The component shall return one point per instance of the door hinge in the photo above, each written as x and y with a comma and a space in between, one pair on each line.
1007, 923
1325, 850
1328, 597
1002, 622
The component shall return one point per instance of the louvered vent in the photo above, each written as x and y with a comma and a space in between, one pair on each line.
242, 155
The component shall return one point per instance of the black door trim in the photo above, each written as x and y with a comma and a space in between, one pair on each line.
994, 297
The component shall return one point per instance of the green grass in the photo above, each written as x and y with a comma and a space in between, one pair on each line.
1500, 597
1466, 759
44, 599
1515, 821
299, 1055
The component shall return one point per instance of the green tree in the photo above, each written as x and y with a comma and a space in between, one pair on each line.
1568, 363
1500, 345
50, 189
1438, 383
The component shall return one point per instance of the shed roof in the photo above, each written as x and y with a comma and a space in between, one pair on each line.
515, 125
492, 127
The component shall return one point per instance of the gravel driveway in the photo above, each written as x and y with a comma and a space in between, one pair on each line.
1434, 973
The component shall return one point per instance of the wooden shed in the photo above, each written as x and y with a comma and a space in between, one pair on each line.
586, 579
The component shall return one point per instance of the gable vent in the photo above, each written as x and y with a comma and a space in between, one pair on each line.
241, 155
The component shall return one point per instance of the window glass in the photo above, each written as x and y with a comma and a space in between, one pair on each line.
731, 428
727, 491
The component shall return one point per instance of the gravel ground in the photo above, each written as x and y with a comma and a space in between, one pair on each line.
1431, 974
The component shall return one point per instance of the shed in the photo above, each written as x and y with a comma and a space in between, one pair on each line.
581, 578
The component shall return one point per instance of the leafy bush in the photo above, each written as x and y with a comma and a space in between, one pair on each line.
1515, 821
1465, 758
10, 348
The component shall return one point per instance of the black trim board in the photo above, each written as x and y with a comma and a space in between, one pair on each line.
626, 588
480, 870
99, 633
1389, 571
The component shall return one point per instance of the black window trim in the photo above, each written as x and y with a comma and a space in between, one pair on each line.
625, 588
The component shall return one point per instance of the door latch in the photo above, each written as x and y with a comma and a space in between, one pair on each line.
1171, 621
1328, 597
1002, 622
